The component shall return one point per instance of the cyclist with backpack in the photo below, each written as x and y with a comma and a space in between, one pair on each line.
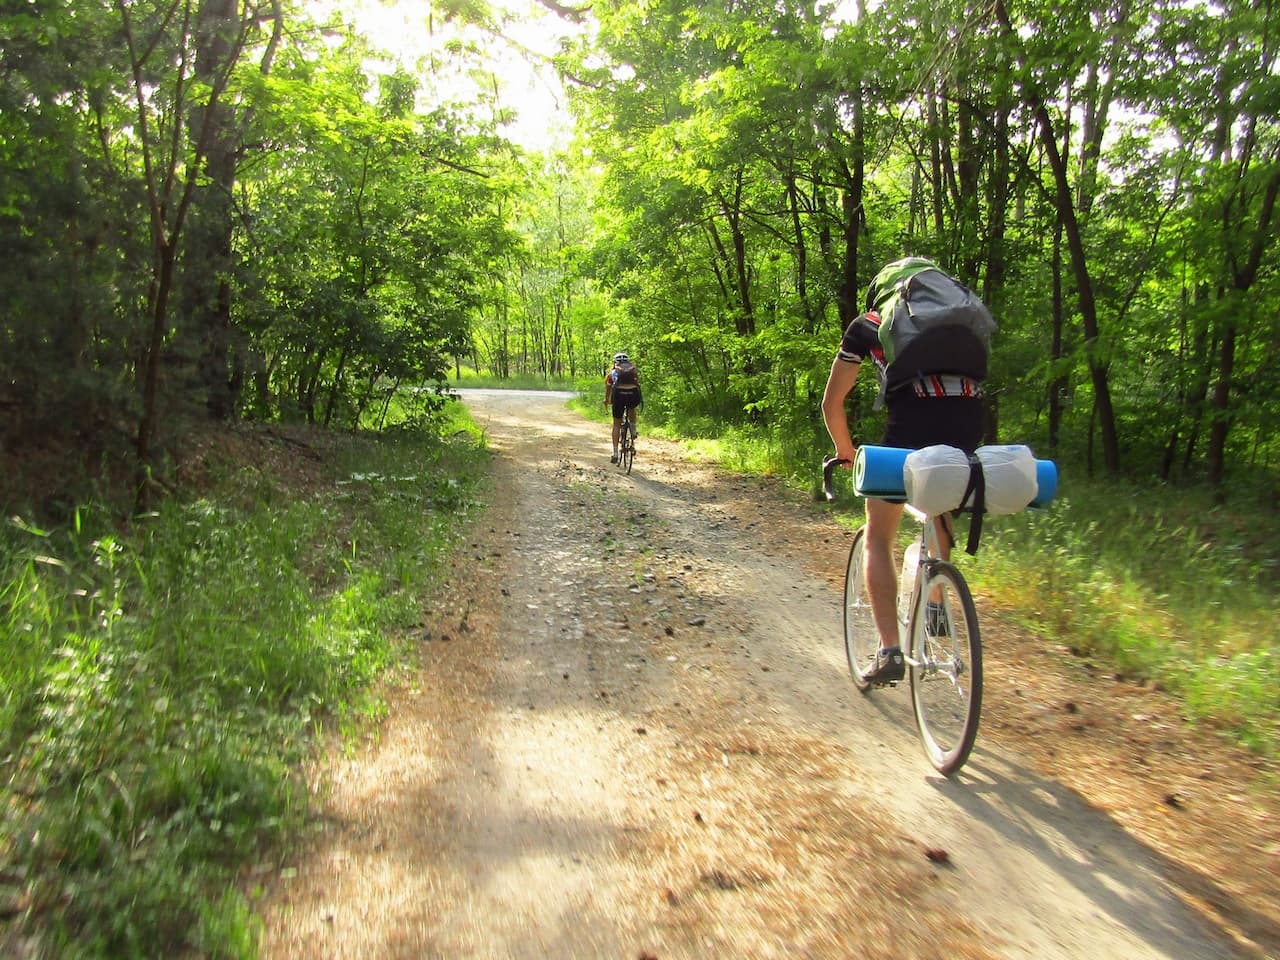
622, 392
929, 337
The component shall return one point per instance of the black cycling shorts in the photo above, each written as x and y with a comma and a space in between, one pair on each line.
623, 401
916, 422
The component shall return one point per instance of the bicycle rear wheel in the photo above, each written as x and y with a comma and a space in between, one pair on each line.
628, 451
946, 668
861, 639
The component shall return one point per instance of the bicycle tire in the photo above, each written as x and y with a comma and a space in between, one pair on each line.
946, 670
861, 639
628, 454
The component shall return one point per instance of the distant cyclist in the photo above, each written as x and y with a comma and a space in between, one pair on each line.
622, 392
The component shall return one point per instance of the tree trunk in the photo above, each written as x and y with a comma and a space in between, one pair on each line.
853, 169
994, 276
1244, 273
1103, 408
209, 281
738, 268
1057, 384
801, 253
159, 303
937, 179
1220, 404
336, 386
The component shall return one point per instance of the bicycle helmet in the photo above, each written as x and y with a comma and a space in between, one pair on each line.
621, 358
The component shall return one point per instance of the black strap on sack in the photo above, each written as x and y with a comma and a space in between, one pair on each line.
978, 489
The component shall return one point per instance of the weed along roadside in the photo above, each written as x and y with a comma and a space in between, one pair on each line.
168, 683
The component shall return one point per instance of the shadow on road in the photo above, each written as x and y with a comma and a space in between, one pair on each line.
1131, 882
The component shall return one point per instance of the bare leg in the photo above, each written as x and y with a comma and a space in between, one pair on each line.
883, 519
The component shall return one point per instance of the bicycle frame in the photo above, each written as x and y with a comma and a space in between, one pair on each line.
627, 438
930, 553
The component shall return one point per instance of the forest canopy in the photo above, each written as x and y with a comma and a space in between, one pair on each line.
215, 210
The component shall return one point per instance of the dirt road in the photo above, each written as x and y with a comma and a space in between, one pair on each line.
633, 735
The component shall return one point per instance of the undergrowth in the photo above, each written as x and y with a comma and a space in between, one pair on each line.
160, 684
467, 377
1163, 585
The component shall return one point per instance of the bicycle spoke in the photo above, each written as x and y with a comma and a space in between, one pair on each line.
861, 640
946, 669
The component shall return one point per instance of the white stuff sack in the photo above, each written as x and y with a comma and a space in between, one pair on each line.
935, 478
1010, 473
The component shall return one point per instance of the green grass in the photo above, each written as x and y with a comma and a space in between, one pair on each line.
1161, 585
160, 686
523, 381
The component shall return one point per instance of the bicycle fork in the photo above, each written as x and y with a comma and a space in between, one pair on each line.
909, 581
915, 574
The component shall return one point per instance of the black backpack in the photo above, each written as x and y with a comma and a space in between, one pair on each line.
628, 376
930, 323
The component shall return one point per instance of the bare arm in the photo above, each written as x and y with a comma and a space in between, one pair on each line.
844, 374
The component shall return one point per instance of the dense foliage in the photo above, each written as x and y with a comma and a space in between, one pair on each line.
1105, 175
219, 209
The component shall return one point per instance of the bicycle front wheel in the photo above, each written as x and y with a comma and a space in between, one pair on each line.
861, 639
946, 668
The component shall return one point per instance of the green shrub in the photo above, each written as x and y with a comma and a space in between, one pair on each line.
162, 684
1160, 583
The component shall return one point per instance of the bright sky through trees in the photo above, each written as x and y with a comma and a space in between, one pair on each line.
516, 51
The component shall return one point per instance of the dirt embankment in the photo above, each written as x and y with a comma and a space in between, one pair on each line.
632, 735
